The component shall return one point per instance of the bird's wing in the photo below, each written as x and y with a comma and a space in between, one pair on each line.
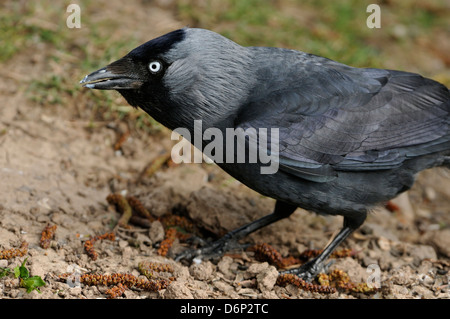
332, 117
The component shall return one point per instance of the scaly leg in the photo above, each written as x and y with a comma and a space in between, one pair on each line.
230, 240
311, 269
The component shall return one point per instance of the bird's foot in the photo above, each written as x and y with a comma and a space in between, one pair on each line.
309, 270
212, 250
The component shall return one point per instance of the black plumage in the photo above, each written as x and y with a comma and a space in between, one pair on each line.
349, 138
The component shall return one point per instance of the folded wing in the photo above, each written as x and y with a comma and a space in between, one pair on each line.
333, 118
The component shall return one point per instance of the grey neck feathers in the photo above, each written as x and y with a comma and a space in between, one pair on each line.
210, 82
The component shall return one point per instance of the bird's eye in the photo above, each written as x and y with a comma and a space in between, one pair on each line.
155, 66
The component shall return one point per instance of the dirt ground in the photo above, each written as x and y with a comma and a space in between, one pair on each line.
57, 169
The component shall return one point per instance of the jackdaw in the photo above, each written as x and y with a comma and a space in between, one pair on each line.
348, 138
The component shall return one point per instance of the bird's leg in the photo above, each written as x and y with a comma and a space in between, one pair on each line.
229, 241
311, 269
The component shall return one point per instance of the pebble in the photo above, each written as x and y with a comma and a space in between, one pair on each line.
441, 240
156, 232
267, 278
256, 268
75, 291
421, 252
224, 266
178, 290
384, 243
430, 193
202, 271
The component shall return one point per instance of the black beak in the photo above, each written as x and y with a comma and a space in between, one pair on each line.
116, 76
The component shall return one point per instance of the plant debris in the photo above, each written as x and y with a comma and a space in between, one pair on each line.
265, 252
125, 281
14, 252
152, 167
285, 279
89, 244
148, 268
171, 235
121, 140
327, 283
116, 291
340, 279
123, 207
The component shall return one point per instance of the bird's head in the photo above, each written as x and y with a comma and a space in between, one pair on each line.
182, 76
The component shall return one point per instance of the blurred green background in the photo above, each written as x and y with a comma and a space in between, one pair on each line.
45, 59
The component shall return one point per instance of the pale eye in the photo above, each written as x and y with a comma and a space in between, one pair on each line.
155, 66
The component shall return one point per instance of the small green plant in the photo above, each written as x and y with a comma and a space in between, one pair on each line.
30, 283
22, 272
4, 272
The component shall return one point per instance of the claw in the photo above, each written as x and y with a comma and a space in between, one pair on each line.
195, 240
211, 250
310, 270
188, 254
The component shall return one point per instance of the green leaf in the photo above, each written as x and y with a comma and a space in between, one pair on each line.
32, 283
17, 272
4, 272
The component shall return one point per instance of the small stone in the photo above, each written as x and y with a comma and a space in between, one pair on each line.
223, 286
421, 252
75, 291
224, 266
267, 278
129, 294
123, 243
384, 243
256, 268
430, 193
202, 271
127, 252
441, 240
156, 232
422, 292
